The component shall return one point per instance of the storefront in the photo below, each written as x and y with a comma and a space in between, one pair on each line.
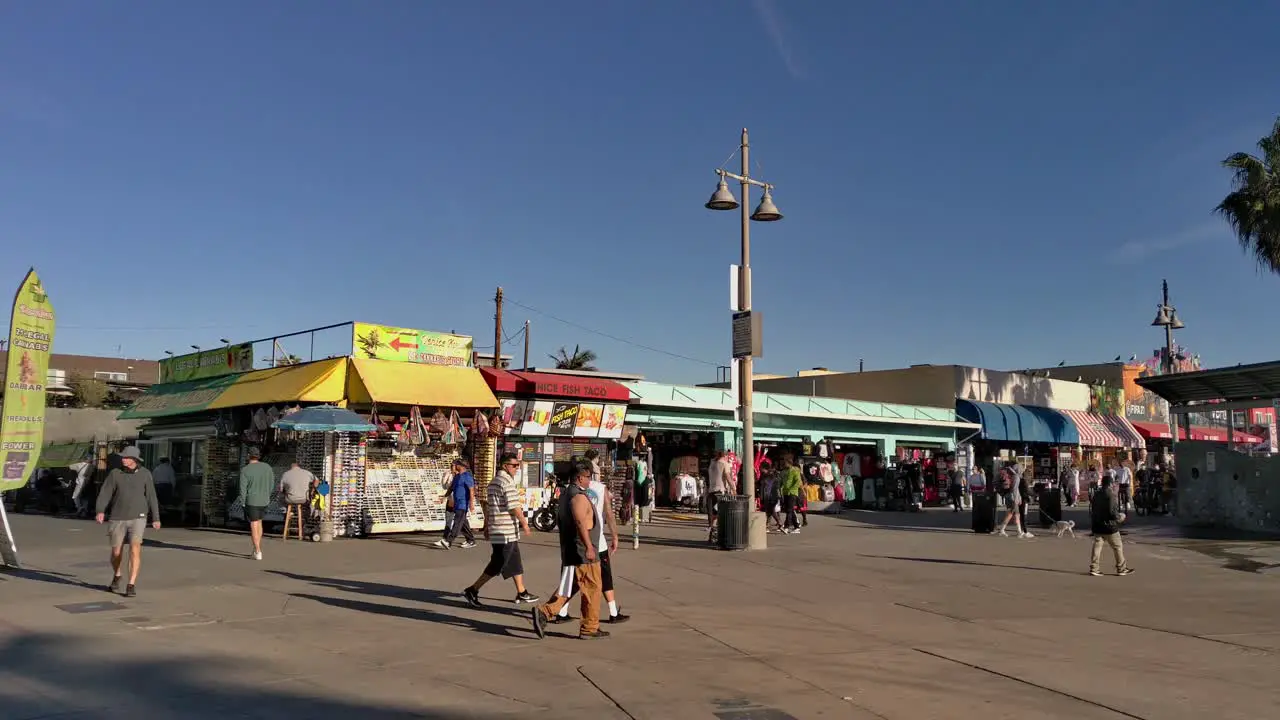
1040, 439
378, 481
549, 419
684, 426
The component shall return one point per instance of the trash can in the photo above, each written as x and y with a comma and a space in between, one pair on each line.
733, 522
1050, 507
984, 513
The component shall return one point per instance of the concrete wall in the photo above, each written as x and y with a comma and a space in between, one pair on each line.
1238, 493
929, 385
68, 425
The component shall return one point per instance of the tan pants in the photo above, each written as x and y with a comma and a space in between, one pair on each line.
588, 577
1117, 549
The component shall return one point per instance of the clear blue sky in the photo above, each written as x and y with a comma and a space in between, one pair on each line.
996, 183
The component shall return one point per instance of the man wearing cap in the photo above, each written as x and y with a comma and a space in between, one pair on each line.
257, 479
128, 495
461, 496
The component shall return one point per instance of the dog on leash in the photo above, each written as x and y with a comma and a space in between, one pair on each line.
1064, 527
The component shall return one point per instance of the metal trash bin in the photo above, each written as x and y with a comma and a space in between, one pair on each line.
1050, 501
733, 523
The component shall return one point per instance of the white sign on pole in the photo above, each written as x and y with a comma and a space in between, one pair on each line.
734, 379
734, 285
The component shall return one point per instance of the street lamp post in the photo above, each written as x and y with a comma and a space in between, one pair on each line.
766, 211
1167, 317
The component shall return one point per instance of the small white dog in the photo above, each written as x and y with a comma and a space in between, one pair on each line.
1067, 527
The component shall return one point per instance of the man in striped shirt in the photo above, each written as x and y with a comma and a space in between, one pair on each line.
503, 522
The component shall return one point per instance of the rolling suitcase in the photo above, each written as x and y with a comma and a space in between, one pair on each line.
984, 513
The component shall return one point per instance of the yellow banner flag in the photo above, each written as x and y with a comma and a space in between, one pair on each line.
22, 422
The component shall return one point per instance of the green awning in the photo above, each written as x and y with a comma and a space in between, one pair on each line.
64, 454
178, 398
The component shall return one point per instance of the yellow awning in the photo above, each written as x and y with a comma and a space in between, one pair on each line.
323, 381
402, 383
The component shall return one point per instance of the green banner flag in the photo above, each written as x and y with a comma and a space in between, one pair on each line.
22, 421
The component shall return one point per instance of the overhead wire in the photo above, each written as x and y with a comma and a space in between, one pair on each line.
612, 337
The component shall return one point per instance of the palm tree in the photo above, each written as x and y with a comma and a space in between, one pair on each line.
1253, 207
579, 359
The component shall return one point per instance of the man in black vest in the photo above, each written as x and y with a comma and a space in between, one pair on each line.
579, 559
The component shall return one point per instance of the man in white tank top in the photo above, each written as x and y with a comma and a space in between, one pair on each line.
602, 502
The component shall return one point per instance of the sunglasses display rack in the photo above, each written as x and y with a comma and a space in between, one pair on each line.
347, 483
403, 493
620, 479
221, 474
484, 458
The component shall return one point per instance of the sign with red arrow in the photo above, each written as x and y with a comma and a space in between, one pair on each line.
383, 342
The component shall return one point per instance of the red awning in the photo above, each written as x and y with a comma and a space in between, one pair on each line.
1198, 432
536, 384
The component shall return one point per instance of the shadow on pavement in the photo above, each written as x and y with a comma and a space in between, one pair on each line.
450, 600
164, 545
59, 676
943, 561
52, 578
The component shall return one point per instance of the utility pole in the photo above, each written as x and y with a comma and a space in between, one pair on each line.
526, 344
497, 330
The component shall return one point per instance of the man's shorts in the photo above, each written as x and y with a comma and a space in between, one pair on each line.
118, 530
505, 560
254, 512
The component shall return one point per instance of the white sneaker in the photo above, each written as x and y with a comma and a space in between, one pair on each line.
1003, 533
257, 554
1026, 535
441, 544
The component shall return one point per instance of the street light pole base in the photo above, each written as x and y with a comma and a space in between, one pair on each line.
757, 537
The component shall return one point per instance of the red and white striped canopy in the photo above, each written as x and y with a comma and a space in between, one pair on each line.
1104, 430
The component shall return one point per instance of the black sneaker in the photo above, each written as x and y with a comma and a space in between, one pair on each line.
597, 635
115, 584
130, 592
558, 619
527, 597
1126, 571
619, 618
473, 597
539, 622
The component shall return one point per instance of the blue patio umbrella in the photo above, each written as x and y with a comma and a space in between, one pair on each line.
324, 418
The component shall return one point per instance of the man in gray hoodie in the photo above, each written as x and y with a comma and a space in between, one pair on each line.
127, 496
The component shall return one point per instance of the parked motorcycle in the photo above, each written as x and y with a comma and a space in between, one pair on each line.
544, 519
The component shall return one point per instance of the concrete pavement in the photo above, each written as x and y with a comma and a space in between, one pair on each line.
864, 615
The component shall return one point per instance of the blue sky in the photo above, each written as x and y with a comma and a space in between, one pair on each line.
995, 183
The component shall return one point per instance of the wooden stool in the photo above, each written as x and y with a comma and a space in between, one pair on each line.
289, 510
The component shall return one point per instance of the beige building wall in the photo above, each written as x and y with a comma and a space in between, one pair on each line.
931, 385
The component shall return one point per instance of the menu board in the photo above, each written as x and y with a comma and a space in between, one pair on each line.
590, 417
536, 417
614, 418
564, 418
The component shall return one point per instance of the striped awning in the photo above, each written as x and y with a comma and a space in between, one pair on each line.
1108, 431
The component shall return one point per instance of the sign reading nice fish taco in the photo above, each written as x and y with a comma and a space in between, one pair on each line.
383, 342
22, 422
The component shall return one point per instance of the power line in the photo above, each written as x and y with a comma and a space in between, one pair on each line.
615, 338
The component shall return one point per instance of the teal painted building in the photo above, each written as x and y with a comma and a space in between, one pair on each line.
794, 418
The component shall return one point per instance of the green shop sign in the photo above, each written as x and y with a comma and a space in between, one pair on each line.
178, 398
207, 364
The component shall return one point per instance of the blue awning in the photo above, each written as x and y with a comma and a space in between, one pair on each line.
1020, 423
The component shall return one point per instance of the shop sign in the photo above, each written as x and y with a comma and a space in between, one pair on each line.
590, 417
579, 388
564, 418
384, 342
22, 424
207, 364
614, 419
192, 398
